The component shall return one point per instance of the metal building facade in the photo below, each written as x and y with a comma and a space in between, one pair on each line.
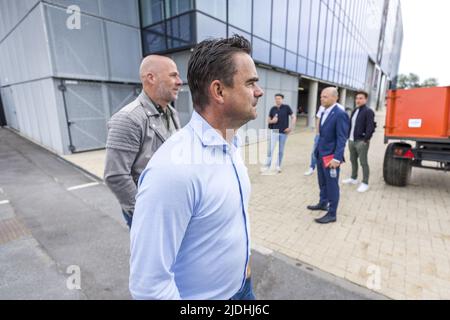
60, 85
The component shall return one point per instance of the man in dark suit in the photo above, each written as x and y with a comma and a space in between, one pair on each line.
334, 126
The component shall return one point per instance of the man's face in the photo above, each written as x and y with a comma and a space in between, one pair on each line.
327, 99
168, 81
278, 100
360, 100
242, 98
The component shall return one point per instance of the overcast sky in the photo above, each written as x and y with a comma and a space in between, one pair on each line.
426, 44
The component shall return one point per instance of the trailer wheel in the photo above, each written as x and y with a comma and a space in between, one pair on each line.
396, 171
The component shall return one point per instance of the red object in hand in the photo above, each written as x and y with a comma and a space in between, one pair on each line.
327, 160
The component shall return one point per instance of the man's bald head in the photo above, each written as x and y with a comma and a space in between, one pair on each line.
154, 64
160, 79
329, 97
332, 91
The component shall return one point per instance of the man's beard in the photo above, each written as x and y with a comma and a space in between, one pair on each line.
166, 94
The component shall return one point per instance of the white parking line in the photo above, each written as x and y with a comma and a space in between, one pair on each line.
4, 202
82, 186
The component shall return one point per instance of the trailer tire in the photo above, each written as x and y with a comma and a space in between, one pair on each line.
396, 171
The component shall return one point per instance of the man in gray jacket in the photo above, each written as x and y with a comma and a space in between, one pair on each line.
137, 130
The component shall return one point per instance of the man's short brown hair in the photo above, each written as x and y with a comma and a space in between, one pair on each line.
365, 94
211, 60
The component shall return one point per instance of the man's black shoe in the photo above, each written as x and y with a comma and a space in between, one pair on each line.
318, 207
328, 218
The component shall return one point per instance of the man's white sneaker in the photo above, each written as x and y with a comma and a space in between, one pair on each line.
363, 187
350, 181
278, 169
309, 172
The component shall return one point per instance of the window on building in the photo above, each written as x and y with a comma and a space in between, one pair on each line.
240, 14
180, 31
262, 19
261, 50
305, 18
209, 28
277, 56
293, 26
176, 7
291, 61
232, 31
152, 11
279, 16
154, 38
215, 8
313, 32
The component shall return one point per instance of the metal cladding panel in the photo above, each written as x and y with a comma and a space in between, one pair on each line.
37, 113
124, 50
87, 6
184, 105
181, 60
273, 79
11, 12
124, 11
25, 52
120, 95
77, 53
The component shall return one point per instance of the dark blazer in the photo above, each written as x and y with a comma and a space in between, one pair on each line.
333, 135
365, 124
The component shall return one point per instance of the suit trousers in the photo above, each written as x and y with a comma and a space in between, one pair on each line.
329, 187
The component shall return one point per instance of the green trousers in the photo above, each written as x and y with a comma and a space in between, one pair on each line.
359, 149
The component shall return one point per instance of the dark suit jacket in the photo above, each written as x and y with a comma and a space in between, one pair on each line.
365, 124
333, 135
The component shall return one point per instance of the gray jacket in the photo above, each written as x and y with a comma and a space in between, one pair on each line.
134, 134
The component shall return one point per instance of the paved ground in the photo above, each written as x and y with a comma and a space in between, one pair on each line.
399, 236
54, 216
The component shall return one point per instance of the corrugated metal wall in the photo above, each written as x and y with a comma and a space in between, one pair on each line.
38, 51
24, 52
14, 12
34, 112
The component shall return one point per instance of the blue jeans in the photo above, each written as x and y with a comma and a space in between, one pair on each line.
128, 219
275, 137
246, 293
313, 155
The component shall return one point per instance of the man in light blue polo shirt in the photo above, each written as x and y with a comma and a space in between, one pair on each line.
190, 237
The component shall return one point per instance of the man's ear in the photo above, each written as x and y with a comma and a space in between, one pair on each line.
216, 91
150, 77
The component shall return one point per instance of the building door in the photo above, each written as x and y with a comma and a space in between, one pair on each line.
89, 106
2, 114
9, 108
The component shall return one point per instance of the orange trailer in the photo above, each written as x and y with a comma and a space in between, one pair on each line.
420, 115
